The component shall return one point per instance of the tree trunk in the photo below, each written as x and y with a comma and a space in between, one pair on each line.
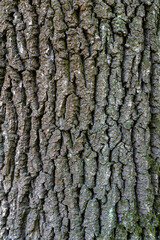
79, 119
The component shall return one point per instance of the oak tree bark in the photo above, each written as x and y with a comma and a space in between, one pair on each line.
79, 119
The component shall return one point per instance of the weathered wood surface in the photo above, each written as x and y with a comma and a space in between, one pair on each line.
79, 119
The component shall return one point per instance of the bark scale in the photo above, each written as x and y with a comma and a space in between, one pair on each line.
79, 119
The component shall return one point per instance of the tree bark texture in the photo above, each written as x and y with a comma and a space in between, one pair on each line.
79, 119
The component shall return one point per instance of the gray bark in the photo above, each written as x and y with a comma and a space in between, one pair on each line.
79, 119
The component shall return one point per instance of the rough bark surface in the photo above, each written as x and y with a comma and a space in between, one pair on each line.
79, 119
